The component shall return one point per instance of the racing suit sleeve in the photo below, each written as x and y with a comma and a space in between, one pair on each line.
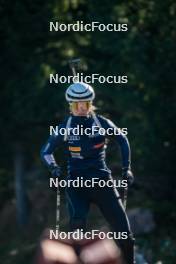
50, 146
121, 139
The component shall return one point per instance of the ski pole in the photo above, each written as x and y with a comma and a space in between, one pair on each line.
58, 209
125, 196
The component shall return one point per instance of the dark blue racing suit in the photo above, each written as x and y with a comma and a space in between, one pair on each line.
86, 159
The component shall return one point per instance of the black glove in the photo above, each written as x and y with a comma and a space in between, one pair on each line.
55, 170
128, 175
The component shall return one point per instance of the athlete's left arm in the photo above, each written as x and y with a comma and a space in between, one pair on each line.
121, 139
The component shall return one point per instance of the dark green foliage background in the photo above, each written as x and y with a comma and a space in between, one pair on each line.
146, 105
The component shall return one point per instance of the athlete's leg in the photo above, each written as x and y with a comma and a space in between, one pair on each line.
78, 207
109, 202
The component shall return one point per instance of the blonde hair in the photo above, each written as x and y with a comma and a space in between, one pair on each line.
73, 106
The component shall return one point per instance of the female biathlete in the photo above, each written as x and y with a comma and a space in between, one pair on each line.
86, 159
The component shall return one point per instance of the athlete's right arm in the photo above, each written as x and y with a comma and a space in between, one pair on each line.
49, 148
